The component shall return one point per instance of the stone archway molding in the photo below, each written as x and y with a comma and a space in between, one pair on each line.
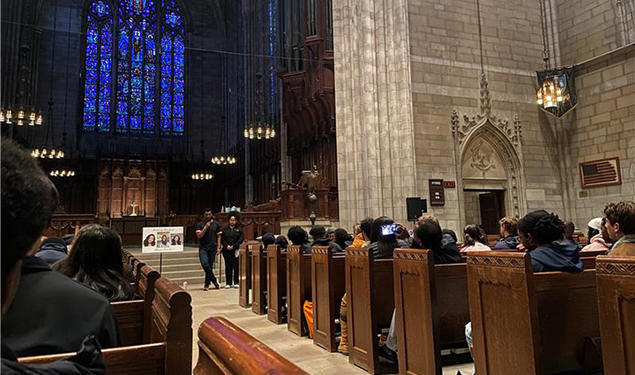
503, 137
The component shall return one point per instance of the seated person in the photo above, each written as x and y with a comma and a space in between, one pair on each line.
475, 239
449, 241
341, 241
52, 250
267, 239
363, 237
428, 235
95, 260
620, 225
599, 239
508, 227
381, 244
569, 228
282, 242
29, 199
318, 233
299, 237
542, 234
330, 234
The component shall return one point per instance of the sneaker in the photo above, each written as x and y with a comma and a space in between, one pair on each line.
235, 286
206, 288
216, 286
228, 286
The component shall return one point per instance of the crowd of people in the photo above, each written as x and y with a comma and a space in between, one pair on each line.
42, 277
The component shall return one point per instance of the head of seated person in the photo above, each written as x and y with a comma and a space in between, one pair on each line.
569, 228
282, 242
383, 241
542, 234
475, 239
29, 199
268, 239
508, 230
95, 260
342, 238
620, 225
429, 235
319, 235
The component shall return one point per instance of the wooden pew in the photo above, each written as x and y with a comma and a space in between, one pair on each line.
616, 302
171, 350
244, 272
298, 287
431, 309
370, 293
328, 284
526, 323
258, 278
134, 317
276, 283
224, 349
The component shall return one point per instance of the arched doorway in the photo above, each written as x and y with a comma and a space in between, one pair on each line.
490, 181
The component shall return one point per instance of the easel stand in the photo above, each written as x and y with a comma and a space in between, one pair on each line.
160, 263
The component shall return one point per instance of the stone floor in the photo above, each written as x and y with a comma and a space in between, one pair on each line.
299, 350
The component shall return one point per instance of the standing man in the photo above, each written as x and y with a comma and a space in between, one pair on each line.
206, 232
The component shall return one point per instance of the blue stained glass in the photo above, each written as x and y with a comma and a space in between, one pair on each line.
135, 52
91, 49
135, 122
104, 123
178, 125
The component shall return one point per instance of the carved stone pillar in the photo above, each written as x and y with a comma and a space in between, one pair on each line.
375, 134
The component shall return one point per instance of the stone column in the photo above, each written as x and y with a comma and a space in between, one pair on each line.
375, 135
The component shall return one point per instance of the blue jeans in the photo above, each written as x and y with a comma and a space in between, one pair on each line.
207, 258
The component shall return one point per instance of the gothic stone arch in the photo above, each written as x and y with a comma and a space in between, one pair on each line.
488, 153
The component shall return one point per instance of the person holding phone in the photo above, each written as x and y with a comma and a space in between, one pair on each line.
206, 232
231, 238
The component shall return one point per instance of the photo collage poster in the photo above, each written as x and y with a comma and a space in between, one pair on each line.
162, 239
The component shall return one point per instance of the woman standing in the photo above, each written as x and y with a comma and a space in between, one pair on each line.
231, 238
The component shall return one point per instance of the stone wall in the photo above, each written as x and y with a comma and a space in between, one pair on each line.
603, 126
445, 63
587, 28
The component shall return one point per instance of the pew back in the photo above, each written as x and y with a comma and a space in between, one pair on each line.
298, 287
276, 283
147, 279
370, 293
328, 285
172, 324
528, 323
244, 272
258, 278
224, 348
616, 302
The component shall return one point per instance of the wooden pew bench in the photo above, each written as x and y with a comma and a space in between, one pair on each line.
616, 302
276, 284
431, 309
298, 288
244, 274
525, 322
370, 294
258, 278
170, 351
226, 349
328, 285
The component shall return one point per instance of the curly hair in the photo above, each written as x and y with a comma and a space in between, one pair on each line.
544, 227
474, 233
510, 224
623, 213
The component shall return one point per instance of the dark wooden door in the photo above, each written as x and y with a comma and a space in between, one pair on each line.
492, 210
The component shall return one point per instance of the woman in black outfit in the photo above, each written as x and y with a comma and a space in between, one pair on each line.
231, 238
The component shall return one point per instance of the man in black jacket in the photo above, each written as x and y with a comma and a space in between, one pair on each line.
207, 232
29, 199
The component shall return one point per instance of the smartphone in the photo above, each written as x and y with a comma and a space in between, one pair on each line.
390, 229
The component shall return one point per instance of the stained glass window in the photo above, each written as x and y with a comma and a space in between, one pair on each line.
134, 58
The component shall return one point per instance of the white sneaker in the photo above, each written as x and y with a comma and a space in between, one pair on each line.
228, 286
235, 286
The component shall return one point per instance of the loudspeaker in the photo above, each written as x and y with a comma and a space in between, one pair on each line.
415, 207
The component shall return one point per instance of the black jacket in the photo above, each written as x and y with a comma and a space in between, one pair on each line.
509, 242
87, 361
232, 237
53, 314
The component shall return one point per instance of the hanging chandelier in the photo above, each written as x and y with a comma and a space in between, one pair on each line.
259, 131
224, 157
556, 91
202, 176
62, 173
20, 117
223, 160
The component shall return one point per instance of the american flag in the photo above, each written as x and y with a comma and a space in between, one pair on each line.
599, 172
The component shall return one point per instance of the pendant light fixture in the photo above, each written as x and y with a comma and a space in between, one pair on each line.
201, 173
224, 157
48, 150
